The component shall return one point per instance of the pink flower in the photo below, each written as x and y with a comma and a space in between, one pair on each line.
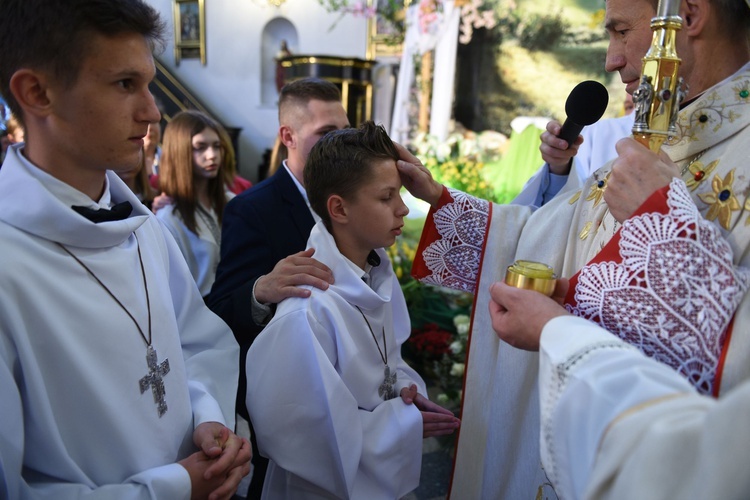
360, 9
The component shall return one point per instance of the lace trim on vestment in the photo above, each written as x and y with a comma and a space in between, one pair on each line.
674, 293
454, 259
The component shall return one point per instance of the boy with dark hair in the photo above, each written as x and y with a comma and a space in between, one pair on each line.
325, 374
119, 386
265, 230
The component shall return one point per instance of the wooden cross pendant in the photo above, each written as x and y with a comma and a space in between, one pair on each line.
154, 379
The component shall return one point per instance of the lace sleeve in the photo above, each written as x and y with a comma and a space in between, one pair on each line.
672, 290
453, 259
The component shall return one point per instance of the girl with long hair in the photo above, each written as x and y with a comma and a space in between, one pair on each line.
194, 172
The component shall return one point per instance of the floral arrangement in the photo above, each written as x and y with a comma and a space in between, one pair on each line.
430, 16
474, 15
443, 355
459, 162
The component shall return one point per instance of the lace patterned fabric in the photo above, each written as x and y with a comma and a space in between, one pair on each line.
674, 293
454, 259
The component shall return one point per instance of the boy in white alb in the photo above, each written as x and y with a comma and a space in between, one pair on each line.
324, 376
115, 380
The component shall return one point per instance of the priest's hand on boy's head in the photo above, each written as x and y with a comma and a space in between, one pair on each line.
416, 178
636, 174
289, 274
519, 315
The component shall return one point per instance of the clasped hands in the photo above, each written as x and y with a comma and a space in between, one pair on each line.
223, 460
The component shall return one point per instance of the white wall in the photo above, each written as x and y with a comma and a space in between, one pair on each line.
230, 82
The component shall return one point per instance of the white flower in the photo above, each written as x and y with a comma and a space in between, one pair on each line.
456, 347
462, 321
443, 398
457, 370
443, 151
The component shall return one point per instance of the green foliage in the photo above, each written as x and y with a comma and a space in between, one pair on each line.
541, 31
461, 173
459, 162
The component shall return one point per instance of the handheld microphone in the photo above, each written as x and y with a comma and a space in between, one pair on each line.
585, 105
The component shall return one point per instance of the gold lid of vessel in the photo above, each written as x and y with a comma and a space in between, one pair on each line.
531, 275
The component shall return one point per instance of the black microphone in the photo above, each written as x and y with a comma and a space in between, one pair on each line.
585, 105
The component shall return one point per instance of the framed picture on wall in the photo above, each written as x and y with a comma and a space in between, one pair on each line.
189, 30
387, 28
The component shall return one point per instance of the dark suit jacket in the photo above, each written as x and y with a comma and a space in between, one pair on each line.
260, 227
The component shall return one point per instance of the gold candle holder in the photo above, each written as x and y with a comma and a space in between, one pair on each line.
531, 275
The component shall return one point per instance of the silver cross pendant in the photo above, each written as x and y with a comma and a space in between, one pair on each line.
154, 380
386, 389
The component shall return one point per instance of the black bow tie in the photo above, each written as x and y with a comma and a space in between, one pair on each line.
373, 258
117, 212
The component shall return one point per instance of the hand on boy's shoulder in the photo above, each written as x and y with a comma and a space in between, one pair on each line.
289, 274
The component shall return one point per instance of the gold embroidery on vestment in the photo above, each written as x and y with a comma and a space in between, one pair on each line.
699, 173
721, 201
586, 229
597, 191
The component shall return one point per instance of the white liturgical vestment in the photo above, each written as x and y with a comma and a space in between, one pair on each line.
652, 282
79, 413
314, 375
618, 425
201, 250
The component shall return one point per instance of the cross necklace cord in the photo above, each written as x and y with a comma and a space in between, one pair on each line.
156, 370
386, 389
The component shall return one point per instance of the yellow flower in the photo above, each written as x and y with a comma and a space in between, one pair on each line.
722, 201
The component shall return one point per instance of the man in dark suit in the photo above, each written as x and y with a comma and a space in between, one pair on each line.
265, 231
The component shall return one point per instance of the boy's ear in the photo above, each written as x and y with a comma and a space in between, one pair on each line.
287, 137
337, 209
30, 89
